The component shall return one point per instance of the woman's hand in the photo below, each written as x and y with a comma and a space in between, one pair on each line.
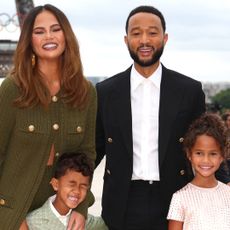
24, 226
76, 221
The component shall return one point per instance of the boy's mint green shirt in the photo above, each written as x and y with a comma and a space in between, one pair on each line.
26, 137
44, 218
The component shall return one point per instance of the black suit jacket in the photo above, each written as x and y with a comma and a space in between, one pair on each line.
181, 101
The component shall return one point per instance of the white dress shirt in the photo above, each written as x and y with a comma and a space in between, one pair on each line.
145, 97
63, 218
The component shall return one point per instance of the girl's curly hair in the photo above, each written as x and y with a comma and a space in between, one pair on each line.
211, 125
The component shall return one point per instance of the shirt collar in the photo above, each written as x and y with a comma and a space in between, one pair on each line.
63, 218
136, 78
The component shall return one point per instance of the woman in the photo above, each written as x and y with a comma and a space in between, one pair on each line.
47, 107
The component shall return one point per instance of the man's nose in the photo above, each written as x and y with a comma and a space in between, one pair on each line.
144, 38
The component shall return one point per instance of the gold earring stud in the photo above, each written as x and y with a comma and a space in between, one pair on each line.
33, 61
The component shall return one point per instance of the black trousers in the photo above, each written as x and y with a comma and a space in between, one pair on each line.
144, 209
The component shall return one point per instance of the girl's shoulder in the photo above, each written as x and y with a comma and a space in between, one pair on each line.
223, 186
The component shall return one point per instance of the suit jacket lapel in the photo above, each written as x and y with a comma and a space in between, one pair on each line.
122, 104
170, 97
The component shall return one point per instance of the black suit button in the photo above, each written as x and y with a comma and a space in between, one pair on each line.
181, 140
110, 140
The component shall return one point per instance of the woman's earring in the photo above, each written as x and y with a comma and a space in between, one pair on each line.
33, 61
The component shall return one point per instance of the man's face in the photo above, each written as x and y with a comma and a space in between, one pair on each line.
145, 39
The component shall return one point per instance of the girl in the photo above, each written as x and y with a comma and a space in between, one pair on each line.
204, 203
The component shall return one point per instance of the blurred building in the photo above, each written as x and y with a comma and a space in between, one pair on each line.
211, 89
7, 48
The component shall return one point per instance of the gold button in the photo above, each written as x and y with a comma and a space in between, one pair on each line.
79, 129
54, 99
182, 172
108, 171
55, 126
31, 128
2, 202
57, 154
181, 140
110, 140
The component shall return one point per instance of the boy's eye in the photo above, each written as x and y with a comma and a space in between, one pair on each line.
85, 187
71, 185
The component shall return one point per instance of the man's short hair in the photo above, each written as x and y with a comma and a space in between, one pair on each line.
146, 9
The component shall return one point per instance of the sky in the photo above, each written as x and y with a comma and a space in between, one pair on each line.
198, 44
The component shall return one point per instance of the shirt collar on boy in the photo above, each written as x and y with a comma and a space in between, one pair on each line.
63, 218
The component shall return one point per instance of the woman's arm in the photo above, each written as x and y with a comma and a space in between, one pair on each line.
8, 93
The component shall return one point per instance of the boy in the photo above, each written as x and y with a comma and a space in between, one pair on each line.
71, 181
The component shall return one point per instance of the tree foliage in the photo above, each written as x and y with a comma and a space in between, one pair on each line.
222, 99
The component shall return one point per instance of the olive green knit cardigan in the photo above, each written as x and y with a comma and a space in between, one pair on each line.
26, 137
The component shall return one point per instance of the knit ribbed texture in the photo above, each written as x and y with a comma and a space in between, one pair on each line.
26, 137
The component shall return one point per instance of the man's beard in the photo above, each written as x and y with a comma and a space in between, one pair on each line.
155, 57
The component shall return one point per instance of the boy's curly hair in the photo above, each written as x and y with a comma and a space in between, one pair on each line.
78, 162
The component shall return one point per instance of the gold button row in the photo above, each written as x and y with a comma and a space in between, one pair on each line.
55, 126
110, 140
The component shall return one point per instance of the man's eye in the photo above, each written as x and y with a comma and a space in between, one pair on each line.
136, 33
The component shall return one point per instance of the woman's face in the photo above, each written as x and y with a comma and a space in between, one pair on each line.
48, 40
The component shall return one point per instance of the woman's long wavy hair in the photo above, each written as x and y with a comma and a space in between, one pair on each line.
33, 90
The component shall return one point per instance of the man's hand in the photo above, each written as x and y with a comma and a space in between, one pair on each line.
76, 221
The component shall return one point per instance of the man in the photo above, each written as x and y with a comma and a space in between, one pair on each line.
143, 114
